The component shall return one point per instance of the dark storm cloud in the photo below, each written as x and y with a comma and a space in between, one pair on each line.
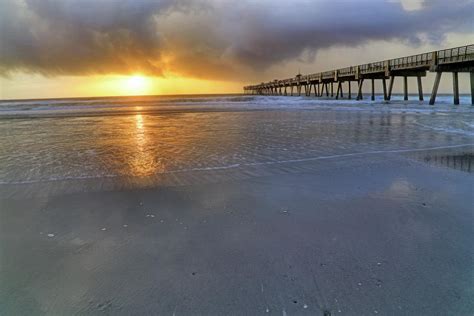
208, 39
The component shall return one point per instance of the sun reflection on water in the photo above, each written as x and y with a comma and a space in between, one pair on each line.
139, 123
143, 162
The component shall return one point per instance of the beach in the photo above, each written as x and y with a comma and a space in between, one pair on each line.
236, 205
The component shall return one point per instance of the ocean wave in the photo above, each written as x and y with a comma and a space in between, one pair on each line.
444, 103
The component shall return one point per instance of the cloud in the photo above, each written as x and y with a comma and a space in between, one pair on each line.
410, 5
205, 39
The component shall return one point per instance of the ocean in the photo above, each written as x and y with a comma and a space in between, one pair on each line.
144, 137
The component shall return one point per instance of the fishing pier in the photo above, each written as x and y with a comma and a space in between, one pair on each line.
331, 83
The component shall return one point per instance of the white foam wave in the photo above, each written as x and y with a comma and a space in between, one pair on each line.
217, 102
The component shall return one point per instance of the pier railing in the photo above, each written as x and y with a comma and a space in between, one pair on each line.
415, 61
458, 54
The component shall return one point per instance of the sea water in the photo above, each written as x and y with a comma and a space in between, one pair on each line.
113, 138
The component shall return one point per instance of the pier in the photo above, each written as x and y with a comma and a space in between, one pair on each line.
331, 83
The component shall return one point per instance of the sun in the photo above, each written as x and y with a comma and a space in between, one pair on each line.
136, 84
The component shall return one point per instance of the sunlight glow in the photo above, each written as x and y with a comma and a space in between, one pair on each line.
136, 85
24, 86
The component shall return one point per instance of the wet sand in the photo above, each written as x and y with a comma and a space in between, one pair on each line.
373, 234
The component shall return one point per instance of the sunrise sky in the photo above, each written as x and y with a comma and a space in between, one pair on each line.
71, 48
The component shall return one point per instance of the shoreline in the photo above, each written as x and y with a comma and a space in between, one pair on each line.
47, 187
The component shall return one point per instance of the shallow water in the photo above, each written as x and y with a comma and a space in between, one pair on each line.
138, 137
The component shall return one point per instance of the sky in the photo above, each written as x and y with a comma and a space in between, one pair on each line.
72, 48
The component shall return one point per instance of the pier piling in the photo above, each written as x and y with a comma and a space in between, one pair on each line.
359, 93
384, 86
390, 87
373, 90
420, 88
405, 88
435, 88
472, 87
455, 88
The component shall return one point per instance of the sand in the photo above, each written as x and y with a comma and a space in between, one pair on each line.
382, 234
